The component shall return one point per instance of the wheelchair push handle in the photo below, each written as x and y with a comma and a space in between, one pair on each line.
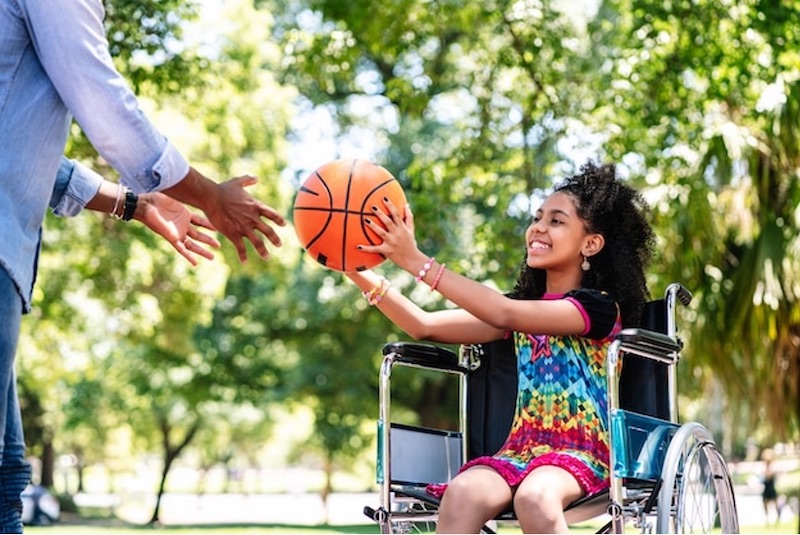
678, 291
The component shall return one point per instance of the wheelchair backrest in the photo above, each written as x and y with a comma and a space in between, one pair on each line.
491, 398
492, 387
644, 384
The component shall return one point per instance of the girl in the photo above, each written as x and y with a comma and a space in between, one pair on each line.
582, 281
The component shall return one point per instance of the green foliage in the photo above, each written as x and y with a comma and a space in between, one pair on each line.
476, 107
116, 310
146, 40
490, 101
707, 94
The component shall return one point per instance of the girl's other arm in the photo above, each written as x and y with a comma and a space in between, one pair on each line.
446, 326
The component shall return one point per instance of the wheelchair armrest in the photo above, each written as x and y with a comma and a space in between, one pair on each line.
424, 356
649, 344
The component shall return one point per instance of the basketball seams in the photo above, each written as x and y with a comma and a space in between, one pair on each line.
357, 183
364, 210
347, 213
327, 220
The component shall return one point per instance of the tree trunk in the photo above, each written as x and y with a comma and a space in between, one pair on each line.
48, 462
327, 489
170, 454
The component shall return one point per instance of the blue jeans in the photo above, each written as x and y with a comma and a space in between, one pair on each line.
15, 471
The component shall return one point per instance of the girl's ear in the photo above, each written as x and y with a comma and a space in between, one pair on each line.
593, 244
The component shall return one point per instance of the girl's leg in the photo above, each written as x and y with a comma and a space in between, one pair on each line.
472, 498
541, 498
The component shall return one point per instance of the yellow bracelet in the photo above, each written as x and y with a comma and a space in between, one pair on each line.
375, 295
378, 298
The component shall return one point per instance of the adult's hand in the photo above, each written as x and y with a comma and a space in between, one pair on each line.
178, 225
231, 210
239, 216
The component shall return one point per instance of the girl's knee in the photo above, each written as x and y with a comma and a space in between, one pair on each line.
467, 496
536, 498
471, 500
539, 513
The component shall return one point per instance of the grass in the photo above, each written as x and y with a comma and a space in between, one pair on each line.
113, 526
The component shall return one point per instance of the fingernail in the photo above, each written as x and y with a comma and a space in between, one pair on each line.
386, 199
374, 208
359, 247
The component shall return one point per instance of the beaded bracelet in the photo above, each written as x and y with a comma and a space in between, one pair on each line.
375, 295
375, 299
425, 269
438, 277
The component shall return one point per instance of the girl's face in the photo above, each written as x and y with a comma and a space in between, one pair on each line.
557, 238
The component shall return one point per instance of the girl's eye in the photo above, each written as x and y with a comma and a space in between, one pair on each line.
556, 221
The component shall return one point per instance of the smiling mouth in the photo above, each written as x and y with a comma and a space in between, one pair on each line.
538, 246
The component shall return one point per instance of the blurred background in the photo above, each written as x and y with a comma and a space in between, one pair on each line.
145, 380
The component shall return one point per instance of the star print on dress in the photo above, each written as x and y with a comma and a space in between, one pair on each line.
539, 346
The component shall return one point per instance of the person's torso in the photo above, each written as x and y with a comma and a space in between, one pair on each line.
35, 125
562, 397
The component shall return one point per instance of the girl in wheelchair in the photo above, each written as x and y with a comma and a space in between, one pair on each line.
581, 282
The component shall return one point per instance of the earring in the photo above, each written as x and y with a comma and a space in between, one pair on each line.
585, 265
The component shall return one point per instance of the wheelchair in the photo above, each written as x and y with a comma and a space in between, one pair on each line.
665, 477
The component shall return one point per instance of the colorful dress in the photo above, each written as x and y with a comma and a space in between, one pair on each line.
561, 415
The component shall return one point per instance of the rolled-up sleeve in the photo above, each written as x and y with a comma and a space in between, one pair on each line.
75, 186
98, 97
170, 168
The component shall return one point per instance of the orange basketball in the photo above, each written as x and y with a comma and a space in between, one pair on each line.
331, 209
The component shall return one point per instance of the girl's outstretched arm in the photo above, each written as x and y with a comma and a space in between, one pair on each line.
558, 317
445, 326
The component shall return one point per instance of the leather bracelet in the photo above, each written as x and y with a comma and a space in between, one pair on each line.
131, 200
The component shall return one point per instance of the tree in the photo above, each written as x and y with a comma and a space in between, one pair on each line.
130, 307
674, 93
709, 99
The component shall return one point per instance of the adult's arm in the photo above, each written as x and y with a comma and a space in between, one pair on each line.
77, 187
71, 45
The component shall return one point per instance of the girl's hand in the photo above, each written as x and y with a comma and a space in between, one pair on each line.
397, 234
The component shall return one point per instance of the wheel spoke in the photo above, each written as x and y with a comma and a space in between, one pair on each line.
697, 495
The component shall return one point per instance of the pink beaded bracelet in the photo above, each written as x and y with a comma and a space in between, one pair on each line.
425, 269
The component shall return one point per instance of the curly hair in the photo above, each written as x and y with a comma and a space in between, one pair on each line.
617, 211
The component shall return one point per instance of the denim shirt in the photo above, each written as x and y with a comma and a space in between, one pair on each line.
55, 65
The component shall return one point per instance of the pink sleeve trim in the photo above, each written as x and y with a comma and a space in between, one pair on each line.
582, 310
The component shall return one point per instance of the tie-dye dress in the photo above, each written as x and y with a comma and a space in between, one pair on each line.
561, 416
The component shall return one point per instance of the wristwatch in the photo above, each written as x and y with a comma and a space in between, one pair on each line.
131, 200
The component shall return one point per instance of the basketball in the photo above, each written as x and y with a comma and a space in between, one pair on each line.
332, 207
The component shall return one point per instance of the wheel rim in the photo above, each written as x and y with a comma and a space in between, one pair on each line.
697, 494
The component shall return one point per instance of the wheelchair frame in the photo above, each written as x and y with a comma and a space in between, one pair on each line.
663, 475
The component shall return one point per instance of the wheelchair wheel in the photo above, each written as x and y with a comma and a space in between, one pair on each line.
696, 495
